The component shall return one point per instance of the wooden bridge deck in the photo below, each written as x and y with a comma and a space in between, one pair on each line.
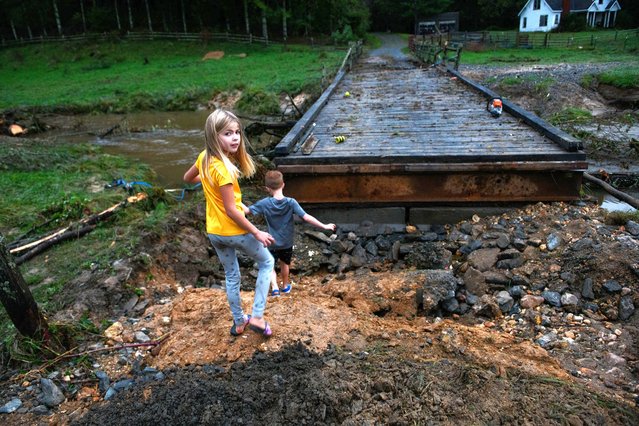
423, 135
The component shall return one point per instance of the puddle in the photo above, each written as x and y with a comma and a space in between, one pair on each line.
610, 202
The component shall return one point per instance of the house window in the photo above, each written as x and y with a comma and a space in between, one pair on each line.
543, 20
600, 1
556, 19
537, 4
523, 25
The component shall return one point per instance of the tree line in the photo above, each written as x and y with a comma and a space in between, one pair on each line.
277, 19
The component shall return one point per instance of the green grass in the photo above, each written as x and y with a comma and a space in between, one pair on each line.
55, 182
372, 41
125, 76
623, 77
46, 187
571, 116
544, 56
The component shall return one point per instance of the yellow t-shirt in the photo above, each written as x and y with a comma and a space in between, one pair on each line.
217, 221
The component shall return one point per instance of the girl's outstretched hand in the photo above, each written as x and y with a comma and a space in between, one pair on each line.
264, 238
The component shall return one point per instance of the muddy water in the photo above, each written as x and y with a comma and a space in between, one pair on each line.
169, 142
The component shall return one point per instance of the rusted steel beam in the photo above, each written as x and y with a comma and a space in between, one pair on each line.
451, 187
430, 167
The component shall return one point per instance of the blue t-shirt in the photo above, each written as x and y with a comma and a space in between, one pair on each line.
279, 217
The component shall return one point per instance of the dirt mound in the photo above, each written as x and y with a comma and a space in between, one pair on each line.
216, 54
388, 383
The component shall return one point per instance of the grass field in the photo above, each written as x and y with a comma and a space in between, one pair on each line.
545, 56
126, 76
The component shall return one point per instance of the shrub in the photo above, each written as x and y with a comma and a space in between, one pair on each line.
258, 102
344, 36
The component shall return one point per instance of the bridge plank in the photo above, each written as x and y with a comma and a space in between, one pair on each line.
409, 120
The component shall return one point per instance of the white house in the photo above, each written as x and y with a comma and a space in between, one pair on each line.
545, 15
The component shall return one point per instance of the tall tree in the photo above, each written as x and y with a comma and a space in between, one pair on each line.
263, 10
13, 29
148, 15
183, 16
128, 3
284, 28
84, 18
247, 21
403, 15
56, 13
18, 300
117, 14
500, 14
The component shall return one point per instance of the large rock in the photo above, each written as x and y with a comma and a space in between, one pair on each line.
483, 259
429, 256
438, 286
475, 281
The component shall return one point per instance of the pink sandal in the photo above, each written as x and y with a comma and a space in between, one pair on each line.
234, 327
266, 331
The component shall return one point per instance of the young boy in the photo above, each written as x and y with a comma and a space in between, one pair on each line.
278, 211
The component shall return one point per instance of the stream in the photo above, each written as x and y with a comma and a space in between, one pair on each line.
169, 143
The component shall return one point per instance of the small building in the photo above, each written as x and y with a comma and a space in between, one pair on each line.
442, 23
545, 15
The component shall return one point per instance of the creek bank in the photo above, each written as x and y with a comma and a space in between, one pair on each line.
549, 289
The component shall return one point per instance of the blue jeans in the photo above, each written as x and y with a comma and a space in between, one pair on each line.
226, 247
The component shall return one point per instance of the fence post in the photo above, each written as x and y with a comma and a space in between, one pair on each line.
546, 39
592, 39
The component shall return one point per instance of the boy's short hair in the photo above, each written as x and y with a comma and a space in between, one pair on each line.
274, 179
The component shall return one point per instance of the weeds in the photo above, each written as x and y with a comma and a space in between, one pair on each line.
538, 85
255, 101
571, 115
623, 77
620, 218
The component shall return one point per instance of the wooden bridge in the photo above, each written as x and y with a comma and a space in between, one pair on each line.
415, 136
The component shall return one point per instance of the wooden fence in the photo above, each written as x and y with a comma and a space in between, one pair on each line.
623, 39
436, 51
144, 36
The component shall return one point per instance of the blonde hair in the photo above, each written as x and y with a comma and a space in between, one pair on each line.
216, 123
273, 180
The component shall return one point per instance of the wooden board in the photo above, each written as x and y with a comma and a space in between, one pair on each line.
404, 121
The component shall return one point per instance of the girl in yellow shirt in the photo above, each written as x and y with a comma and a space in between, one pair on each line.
218, 168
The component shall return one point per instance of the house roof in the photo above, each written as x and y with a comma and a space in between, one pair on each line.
575, 5
612, 3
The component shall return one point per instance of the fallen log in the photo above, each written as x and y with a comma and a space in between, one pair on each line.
74, 230
613, 191
76, 233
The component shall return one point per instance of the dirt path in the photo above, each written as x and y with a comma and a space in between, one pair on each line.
392, 45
